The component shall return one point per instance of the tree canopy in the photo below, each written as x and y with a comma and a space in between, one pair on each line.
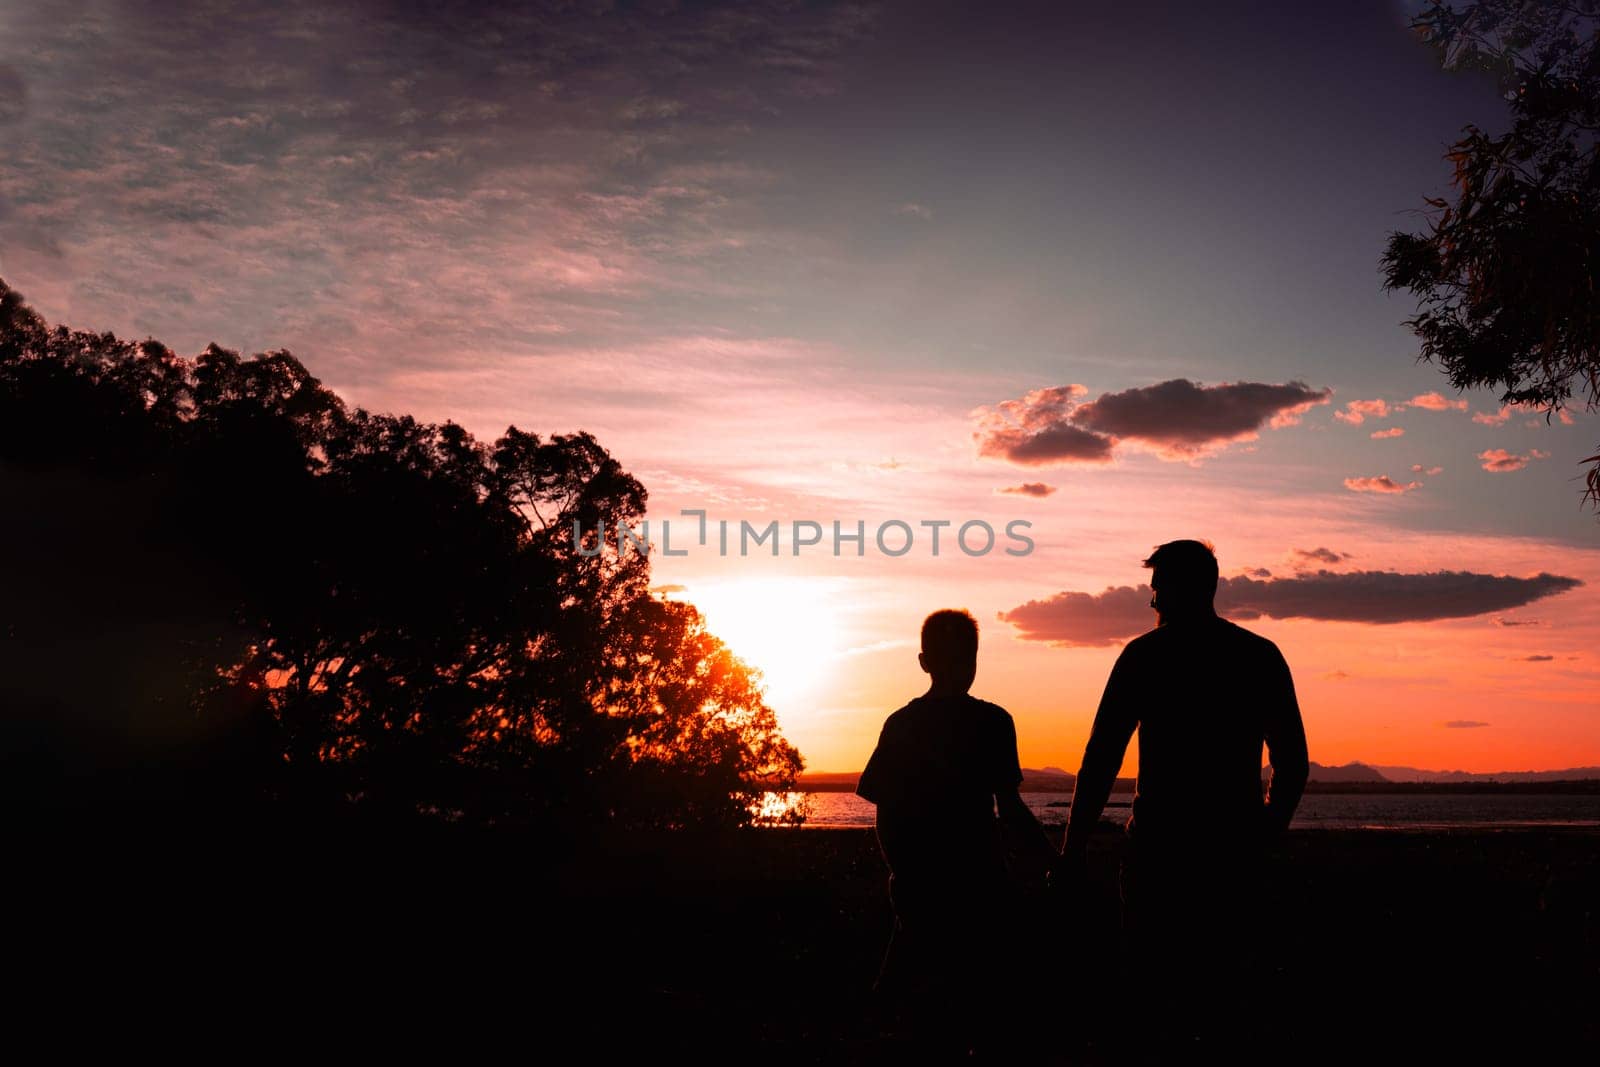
230, 590
1506, 272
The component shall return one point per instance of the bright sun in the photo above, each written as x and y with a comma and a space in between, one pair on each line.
783, 627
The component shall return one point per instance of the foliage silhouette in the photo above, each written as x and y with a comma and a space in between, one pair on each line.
1505, 273
233, 593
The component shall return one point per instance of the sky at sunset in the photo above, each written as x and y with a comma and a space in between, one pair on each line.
1108, 269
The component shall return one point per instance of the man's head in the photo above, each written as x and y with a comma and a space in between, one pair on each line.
950, 649
1184, 578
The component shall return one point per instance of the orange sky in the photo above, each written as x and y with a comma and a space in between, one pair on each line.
838, 637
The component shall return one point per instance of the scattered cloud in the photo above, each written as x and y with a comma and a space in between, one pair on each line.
915, 211
1177, 420
1259, 572
1417, 468
1498, 419
1358, 411
1393, 431
1499, 621
1465, 724
669, 588
1537, 659
1499, 460
1434, 402
1380, 484
1072, 618
1336, 676
1037, 489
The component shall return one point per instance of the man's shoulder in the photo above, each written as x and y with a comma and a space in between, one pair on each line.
1249, 639
1150, 643
1155, 642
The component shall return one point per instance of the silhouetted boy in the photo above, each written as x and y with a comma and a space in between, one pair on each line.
1204, 695
943, 764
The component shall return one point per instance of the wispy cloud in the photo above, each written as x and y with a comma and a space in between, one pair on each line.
1381, 483
390, 186
1320, 555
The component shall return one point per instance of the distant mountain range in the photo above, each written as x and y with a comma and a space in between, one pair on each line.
1411, 774
1056, 780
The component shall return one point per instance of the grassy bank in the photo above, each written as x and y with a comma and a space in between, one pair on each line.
763, 945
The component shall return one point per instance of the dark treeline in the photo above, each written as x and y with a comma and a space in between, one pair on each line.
230, 594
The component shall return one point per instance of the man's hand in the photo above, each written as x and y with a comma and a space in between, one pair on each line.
1068, 875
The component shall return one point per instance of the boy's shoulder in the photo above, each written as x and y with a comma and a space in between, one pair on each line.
925, 705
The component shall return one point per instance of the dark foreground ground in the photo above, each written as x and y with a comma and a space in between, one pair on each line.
760, 947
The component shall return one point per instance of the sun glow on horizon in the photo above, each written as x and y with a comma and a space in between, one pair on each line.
785, 628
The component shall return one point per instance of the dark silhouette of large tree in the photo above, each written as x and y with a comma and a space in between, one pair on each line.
1507, 273
230, 592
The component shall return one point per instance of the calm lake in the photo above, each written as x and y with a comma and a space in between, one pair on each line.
1331, 811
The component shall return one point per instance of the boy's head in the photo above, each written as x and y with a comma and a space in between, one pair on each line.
950, 648
1184, 578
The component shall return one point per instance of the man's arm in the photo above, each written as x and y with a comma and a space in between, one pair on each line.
1114, 724
1286, 748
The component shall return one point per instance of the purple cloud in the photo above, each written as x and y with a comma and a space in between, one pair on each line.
1036, 430
1375, 597
1182, 419
1177, 419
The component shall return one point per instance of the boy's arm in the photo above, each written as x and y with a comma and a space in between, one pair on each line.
875, 785
875, 781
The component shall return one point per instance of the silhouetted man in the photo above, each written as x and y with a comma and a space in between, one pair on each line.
943, 765
1203, 694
